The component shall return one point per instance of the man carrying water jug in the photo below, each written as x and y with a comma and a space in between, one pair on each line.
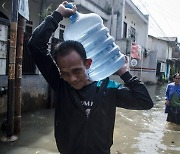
85, 109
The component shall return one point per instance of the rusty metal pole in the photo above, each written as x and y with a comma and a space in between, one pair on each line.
18, 75
11, 72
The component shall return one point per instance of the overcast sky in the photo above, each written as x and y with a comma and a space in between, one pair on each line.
164, 16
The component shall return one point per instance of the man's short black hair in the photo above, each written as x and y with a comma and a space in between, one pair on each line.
64, 48
177, 74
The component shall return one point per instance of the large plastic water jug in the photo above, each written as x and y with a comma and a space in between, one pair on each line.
98, 43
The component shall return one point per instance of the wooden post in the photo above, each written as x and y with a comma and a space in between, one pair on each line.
18, 75
11, 71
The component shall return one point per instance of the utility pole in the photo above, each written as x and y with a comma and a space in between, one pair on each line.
14, 100
18, 74
11, 74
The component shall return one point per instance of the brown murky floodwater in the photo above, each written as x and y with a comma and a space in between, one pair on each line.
136, 132
146, 132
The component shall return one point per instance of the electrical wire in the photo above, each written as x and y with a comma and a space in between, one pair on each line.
165, 15
162, 32
152, 18
166, 12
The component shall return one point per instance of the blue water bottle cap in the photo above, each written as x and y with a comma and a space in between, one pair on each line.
73, 17
69, 5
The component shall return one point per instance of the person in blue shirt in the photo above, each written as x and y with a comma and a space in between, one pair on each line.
173, 100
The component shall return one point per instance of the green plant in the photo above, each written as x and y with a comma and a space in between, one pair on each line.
172, 70
46, 12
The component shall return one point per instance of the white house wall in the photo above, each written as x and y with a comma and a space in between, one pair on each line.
92, 8
164, 50
120, 9
114, 26
141, 28
149, 65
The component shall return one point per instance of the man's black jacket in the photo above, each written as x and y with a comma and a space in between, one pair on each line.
77, 132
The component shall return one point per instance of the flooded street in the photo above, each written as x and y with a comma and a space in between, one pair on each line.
146, 132
136, 132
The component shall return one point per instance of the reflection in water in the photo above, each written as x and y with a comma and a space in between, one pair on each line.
37, 135
146, 132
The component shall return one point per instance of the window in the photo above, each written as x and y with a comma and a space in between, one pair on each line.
61, 32
125, 30
4, 45
28, 65
132, 33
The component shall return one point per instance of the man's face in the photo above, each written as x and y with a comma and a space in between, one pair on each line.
177, 79
73, 70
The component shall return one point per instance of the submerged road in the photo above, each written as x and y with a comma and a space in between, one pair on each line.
136, 132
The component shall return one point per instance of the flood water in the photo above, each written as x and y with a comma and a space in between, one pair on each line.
136, 132
146, 132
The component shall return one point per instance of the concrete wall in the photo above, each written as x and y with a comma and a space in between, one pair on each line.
34, 87
164, 52
34, 93
158, 50
133, 20
163, 48
149, 68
